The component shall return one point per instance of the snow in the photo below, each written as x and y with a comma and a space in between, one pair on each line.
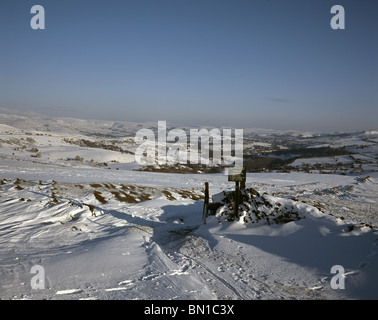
313, 161
110, 232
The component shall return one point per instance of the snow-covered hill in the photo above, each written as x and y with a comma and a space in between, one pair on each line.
101, 230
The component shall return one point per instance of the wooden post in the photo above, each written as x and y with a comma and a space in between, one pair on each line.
206, 203
239, 176
236, 200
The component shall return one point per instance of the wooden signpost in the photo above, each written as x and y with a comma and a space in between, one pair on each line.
237, 174
206, 203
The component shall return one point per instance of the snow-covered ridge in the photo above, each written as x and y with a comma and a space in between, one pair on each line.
34, 122
9, 129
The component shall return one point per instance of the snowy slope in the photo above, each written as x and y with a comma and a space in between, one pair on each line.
96, 243
108, 232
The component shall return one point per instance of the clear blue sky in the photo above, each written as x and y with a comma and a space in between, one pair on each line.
242, 63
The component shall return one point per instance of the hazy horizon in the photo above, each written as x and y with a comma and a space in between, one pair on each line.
244, 64
170, 124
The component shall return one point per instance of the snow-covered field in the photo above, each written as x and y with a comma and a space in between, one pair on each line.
97, 229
